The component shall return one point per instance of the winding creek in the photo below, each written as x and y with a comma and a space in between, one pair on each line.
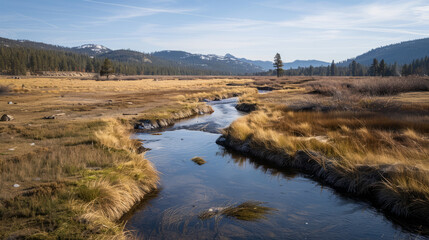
305, 209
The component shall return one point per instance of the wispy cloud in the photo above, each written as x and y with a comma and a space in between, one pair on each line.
137, 11
30, 19
321, 29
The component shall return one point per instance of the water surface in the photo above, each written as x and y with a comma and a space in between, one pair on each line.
305, 208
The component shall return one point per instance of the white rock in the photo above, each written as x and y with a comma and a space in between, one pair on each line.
16, 185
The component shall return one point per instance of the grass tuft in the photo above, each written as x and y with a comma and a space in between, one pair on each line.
198, 160
4, 89
246, 211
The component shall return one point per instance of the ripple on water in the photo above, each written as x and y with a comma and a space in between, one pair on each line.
305, 209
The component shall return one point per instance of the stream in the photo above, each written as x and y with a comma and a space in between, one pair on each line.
304, 208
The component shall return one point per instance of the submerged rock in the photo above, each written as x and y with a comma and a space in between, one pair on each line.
198, 160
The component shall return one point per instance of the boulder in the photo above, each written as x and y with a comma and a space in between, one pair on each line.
50, 117
246, 107
6, 117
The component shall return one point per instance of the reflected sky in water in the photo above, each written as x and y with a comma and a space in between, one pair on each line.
306, 209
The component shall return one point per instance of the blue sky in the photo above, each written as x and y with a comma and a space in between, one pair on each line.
309, 29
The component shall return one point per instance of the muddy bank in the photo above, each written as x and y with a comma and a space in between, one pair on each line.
152, 124
369, 182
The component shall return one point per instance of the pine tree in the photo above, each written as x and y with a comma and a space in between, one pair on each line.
354, 70
382, 68
311, 70
106, 68
278, 64
374, 69
334, 70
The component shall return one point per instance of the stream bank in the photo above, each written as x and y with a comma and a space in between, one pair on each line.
304, 208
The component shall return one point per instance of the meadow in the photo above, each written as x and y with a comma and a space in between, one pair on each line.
365, 136
68, 167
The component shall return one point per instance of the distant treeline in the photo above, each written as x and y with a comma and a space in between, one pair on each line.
20, 60
417, 67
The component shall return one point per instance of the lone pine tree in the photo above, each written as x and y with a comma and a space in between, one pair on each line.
278, 64
106, 68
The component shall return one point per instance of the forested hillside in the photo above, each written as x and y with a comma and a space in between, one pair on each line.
20, 60
400, 53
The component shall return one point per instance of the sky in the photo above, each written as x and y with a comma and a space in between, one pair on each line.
307, 29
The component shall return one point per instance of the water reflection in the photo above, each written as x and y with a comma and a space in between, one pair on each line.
306, 209
344, 198
258, 164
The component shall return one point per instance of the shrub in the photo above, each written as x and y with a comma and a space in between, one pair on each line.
4, 89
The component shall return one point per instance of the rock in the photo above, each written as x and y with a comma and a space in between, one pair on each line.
50, 117
10, 103
32, 144
16, 185
221, 141
146, 124
216, 99
246, 107
142, 149
6, 118
130, 103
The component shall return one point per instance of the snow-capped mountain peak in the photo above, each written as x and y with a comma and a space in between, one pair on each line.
93, 49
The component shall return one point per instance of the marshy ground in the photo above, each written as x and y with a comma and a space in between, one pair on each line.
68, 167
366, 136
77, 174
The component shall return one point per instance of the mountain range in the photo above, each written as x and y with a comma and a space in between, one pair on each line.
401, 53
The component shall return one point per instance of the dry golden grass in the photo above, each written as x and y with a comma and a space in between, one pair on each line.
98, 180
394, 94
80, 172
364, 148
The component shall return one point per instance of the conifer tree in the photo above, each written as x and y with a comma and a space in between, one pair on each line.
106, 68
354, 68
334, 69
382, 68
373, 70
278, 64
